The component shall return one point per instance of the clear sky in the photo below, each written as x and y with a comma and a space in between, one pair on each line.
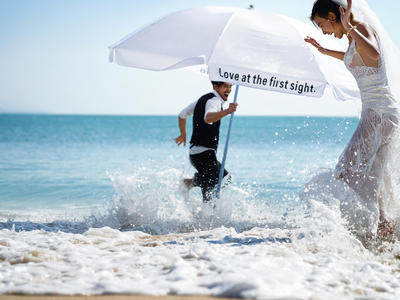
54, 59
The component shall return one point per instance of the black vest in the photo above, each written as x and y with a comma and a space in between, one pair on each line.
206, 135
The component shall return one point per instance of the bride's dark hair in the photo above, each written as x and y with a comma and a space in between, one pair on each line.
321, 8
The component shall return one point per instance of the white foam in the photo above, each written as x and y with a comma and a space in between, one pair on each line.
324, 263
240, 248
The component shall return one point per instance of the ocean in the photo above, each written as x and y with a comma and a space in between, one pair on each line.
94, 205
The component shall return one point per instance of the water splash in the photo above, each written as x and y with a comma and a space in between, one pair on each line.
152, 201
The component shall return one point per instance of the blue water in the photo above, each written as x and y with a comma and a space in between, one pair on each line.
76, 190
63, 161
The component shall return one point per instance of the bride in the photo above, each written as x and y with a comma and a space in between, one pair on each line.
367, 162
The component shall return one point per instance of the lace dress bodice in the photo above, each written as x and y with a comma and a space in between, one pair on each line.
372, 82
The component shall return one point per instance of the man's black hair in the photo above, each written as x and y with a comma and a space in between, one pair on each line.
217, 83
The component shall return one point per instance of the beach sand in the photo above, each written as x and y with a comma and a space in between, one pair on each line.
106, 297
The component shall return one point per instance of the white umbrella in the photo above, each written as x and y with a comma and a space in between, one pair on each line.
241, 46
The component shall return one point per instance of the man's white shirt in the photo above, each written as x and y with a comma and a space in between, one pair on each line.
213, 105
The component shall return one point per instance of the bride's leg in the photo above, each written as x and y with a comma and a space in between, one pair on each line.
358, 155
363, 165
385, 197
356, 166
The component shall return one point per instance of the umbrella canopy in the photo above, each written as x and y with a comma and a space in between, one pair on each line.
241, 46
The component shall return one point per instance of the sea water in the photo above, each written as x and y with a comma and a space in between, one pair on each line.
94, 205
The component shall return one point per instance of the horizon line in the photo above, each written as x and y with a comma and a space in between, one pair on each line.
164, 115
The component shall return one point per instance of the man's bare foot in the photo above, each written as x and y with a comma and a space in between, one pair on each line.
385, 228
188, 183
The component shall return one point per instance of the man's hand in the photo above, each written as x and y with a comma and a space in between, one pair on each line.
180, 139
216, 116
182, 130
232, 107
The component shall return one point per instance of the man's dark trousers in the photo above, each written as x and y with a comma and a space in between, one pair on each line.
207, 167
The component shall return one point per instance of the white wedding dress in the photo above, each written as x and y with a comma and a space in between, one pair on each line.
368, 164
365, 184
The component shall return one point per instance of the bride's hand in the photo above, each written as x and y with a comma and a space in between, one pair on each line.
345, 15
313, 42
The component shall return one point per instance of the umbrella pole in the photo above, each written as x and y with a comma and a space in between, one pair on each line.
221, 171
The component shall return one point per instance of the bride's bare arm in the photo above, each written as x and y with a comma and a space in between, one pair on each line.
363, 36
366, 43
333, 53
